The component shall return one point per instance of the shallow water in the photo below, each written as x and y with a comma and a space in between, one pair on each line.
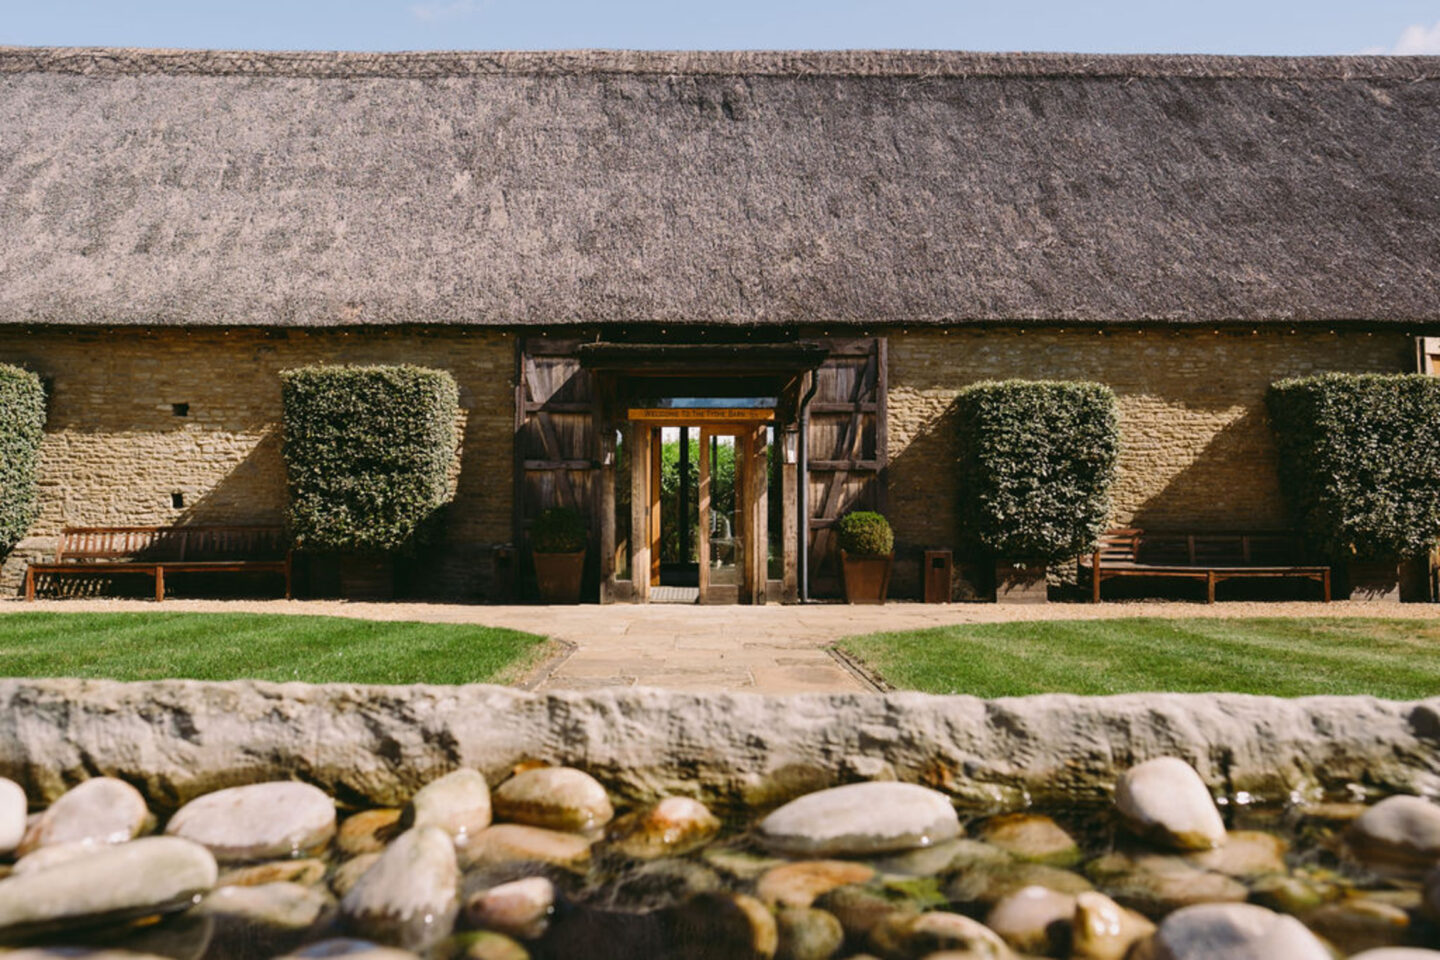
681, 906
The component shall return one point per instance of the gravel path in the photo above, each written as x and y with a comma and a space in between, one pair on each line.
769, 649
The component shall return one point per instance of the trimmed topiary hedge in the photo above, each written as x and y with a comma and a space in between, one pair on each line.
865, 533
1360, 462
367, 452
1037, 460
22, 424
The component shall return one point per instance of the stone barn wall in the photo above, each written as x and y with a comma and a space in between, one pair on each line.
1196, 454
115, 450
1197, 451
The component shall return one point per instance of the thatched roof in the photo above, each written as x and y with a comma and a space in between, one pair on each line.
163, 187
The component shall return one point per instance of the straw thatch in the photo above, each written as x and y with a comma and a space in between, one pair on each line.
165, 187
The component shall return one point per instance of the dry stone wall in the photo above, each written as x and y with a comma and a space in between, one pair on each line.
375, 746
1196, 449
117, 449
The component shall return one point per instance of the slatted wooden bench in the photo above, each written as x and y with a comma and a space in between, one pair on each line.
155, 551
1208, 557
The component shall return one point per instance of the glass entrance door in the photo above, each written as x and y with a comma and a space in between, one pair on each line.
723, 541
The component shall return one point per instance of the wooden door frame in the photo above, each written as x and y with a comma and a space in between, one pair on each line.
751, 492
657, 448
757, 520
721, 594
752, 483
639, 511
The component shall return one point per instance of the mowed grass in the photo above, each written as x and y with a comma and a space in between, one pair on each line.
1395, 659
204, 646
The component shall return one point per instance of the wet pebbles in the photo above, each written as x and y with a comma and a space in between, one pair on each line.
537, 866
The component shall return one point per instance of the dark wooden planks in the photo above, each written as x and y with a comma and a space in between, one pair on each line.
845, 439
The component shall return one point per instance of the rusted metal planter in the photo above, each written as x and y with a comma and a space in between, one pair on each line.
558, 576
1390, 581
366, 577
867, 579
1020, 581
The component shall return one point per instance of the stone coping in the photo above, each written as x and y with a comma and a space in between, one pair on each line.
375, 745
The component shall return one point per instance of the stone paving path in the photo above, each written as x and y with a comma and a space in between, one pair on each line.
770, 649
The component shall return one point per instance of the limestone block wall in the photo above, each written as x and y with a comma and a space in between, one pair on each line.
1197, 449
118, 451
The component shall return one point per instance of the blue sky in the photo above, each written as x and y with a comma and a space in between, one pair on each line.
1102, 26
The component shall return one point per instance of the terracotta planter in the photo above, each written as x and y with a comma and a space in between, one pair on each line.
867, 579
1388, 581
558, 576
1020, 581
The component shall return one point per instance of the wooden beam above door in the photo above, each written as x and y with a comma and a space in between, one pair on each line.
686, 416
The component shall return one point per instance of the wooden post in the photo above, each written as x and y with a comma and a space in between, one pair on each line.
745, 510
759, 546
640, 510
656, 457
759, 503
702, 549
684, 508
789, 526
606, 508
882, 424
517, 481
602, 490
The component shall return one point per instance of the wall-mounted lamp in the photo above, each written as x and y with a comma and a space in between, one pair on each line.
607, 449
792, 444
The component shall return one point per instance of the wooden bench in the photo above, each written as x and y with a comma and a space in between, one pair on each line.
155, 551
1209, 557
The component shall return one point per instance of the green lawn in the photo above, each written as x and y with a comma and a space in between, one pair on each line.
1396, 659
204, 646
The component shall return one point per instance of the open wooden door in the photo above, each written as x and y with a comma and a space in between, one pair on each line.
556, 463
846, 443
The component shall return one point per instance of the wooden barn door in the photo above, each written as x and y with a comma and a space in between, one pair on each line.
555, 444
846, 449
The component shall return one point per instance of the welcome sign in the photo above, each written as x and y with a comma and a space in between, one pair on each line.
702, 414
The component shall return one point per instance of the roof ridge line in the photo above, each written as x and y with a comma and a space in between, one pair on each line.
118, 61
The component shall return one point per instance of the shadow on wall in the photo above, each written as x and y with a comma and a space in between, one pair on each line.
454, 563
922, 497
1227, 482
459, 562
252, 492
